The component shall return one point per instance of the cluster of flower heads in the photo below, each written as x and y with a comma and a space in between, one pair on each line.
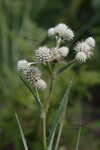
61, 32
84, 49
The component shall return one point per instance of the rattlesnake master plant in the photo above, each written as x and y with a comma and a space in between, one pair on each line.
33, 78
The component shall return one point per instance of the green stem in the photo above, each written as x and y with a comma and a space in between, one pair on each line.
78, 139
44, 130
43, 116
50, 87
59, 135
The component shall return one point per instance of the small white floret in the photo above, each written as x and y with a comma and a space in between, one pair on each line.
63, 51
69, 34
91, 42
22, 65
81, 57
60, 28
40, 84
51, 32
44, 54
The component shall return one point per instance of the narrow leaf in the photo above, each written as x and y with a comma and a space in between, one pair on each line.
78, 139
59, 134
51, 140
21, 133
59, 115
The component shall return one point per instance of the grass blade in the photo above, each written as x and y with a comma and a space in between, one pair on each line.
78, 139
52, 140
61, 111
59, 134
21, 133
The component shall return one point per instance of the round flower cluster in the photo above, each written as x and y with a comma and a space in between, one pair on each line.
84, 49
61, 30
32, 74
44, 54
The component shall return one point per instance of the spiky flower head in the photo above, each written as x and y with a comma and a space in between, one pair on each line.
60, 29
69, 35
64, 32
43, 54
33, 74
81, 57
82, 46
22, 65
40, 84
84, 50
91, 42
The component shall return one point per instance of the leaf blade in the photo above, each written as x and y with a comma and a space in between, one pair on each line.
21, 132
62, 107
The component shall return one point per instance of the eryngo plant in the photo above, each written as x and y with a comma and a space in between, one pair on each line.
50, 56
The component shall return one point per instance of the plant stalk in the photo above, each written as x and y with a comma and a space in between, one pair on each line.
59, 135
44, 130
78, 139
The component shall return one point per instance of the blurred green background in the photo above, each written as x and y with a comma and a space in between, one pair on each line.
23, 27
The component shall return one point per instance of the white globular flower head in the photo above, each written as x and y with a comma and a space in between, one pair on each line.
33, 74
69, 34
82, 46
40, 84
64, 32
91, 42
63, 51
22, 65
44, 54
84, 50
51, 32
81, 57
60, 29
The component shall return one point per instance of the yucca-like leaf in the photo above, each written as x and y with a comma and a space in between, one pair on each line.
33, 91
59, 116
21, 132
